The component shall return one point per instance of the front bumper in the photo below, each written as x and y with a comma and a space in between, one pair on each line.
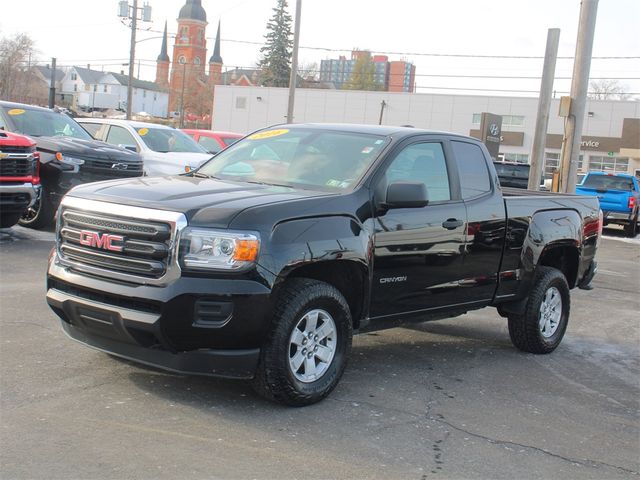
17, 197
165, 326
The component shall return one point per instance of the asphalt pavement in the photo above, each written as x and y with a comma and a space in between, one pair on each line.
446, 399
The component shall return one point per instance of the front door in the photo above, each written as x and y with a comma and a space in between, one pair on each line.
418, 258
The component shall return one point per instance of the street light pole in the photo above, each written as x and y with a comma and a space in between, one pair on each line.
184, 76
132, 56
294, 63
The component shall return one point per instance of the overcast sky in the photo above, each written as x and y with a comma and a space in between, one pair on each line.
81, 32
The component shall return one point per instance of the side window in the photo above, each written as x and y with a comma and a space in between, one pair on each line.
472, 167
422, 162
92, 128
120, 136
210, 144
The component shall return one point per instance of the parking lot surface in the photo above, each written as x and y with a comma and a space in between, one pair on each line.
446, 399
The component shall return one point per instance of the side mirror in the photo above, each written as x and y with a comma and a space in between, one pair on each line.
132, 148
407, 195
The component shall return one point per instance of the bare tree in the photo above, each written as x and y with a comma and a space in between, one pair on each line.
15, 54
608, 90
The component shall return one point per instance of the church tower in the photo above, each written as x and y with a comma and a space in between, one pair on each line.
189, 53
162, 63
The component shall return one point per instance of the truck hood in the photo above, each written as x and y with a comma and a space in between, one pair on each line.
92, 149
204, 201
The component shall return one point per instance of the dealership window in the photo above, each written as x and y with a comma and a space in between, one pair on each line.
507, 120
552, 163
598, 163
516, 157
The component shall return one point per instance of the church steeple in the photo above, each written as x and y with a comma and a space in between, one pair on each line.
164, 56
162, 63
215, 57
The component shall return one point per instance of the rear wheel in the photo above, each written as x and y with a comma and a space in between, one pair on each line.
631, 228
306, 351
40, 214
541, 327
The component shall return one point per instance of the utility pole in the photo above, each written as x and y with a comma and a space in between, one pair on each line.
52, 85
132, 58
544, 102
294, 63
579, 86
131, 12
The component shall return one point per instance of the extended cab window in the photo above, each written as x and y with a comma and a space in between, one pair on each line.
472, 166
422, 162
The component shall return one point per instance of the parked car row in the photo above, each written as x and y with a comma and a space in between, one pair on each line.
61, 153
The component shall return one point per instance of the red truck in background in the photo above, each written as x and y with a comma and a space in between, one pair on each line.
19, 176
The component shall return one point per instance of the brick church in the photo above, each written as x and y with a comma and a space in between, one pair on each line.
186, 77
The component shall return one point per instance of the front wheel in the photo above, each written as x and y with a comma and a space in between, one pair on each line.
40, 214
307, 348
542, 325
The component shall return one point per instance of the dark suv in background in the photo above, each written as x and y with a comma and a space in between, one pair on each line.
69, 156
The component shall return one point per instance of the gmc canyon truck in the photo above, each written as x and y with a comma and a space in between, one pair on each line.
263, 263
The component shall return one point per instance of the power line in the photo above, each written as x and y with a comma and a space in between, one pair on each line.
417, 54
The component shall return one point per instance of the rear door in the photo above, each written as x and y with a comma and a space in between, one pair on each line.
418, 251
486, 215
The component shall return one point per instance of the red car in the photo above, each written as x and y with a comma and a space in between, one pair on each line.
212, 141
19, 177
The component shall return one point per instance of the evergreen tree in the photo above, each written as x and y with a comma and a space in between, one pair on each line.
276, 52
363, 75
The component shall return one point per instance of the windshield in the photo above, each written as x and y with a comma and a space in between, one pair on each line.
321, 159
608, 182
44, 123
168, 140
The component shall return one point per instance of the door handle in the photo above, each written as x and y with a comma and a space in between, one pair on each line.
452, 223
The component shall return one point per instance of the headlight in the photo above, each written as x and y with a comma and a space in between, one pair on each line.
219, 249
69, 160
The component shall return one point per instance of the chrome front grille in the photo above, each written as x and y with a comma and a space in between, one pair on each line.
128, 243
17, 164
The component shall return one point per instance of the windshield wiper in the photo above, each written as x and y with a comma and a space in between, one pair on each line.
267, 183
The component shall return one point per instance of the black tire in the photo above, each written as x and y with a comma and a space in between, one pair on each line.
525, 330
274, 378
9, 219
631, 228
41, 214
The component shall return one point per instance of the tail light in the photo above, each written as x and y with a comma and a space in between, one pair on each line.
632, 202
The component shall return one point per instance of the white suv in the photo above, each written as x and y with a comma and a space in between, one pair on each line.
164, 150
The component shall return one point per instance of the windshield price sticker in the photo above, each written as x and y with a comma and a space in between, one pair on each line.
16, 111
143, 131
268, 134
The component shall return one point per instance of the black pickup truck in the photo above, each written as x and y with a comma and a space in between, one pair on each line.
263, 263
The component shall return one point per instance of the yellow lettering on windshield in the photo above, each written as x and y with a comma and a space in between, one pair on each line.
16, 111
268, 134
143, 131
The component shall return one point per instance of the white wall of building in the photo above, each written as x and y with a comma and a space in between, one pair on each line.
110, 93
244, 109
